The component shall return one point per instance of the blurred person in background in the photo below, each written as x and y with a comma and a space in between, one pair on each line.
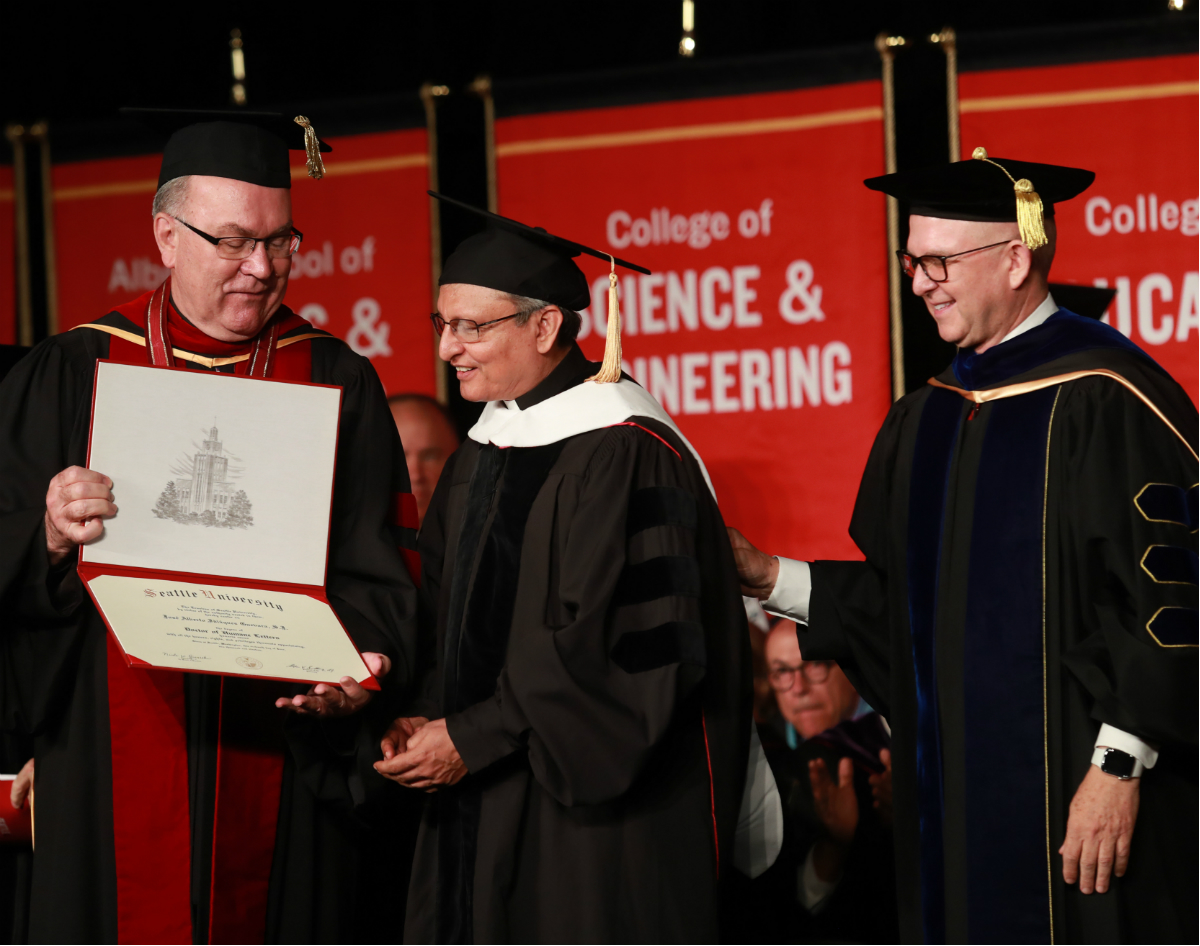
835, 880
429, 437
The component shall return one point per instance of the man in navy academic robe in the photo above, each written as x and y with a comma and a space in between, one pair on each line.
1026, 614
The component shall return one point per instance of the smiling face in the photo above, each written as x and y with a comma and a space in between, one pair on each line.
810, 707
230, 300
986, 294
509, 359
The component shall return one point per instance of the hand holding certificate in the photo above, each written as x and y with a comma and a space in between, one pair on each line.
215, 559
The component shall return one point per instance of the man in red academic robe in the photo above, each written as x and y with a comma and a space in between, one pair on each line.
167, 807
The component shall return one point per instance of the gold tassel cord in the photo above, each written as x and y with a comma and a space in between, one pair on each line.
610, 371
312, 147
1031, 219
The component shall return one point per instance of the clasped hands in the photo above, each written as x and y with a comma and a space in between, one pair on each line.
419, 753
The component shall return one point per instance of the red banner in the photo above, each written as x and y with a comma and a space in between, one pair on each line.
764, 328
8, 252
363, 270
1133, 122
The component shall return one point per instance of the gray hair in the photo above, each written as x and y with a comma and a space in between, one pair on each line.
571, 324
170, 198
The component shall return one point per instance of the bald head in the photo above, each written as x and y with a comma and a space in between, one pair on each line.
993, 282
428, 437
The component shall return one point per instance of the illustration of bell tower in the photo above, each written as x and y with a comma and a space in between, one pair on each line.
209, 468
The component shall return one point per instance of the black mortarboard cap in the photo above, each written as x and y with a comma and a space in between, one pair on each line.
526, 261
1089, 301
238, 144
512, 257
987, 189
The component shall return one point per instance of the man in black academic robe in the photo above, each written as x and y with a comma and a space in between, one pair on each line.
1026, 614
59, 678
591, 699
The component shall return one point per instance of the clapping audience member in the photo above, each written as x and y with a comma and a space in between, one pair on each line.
831, 761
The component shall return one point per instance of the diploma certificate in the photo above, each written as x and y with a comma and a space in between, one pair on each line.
216, 559
226, 629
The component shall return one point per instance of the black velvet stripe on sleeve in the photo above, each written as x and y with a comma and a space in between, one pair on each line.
658, 578
1169, 564
661, 506
670, 643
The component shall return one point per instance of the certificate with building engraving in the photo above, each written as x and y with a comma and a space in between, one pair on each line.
183, 625
214, 474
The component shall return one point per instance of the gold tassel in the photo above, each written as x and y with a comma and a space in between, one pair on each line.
316, 167
610, 371
1030, 214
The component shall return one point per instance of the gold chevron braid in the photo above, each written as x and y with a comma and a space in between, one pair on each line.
1125, 93
1027, 387
150, 184
648, 136
191, 356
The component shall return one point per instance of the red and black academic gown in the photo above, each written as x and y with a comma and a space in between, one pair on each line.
1029, 525
138, 838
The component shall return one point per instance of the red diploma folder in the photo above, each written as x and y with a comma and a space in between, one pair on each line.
216, 559
16, 824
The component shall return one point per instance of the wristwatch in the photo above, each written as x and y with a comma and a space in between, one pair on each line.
1116, 763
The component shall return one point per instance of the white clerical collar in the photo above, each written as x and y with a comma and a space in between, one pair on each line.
577, 410
1034, 319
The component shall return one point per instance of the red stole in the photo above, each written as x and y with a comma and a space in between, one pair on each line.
147, 720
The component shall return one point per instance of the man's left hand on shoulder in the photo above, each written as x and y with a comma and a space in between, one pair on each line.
328, 702
1099, 830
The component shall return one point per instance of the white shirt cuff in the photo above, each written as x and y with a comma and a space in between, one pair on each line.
811, 889
793, 588
1112, 738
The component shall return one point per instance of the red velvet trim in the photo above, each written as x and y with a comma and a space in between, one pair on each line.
630, 423
404, 511
249, 778
712, 791
151, 829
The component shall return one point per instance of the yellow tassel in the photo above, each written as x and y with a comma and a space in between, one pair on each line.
610, 371
312, 147
1031, 221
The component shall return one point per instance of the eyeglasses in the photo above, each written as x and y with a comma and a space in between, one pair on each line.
278, 246
935, 266
813, 671
465, 330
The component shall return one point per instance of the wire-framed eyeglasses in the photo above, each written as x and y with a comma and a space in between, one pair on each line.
467, 330
278, 246
935, 266
813, 671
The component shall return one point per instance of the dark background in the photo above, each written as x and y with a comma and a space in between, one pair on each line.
80, 66
361, 71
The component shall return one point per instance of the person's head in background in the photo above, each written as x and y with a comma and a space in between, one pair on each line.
813, 695
429, 438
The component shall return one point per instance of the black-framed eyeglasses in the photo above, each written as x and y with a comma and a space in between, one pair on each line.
935, 266
467, 330
813, 671
278, 246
